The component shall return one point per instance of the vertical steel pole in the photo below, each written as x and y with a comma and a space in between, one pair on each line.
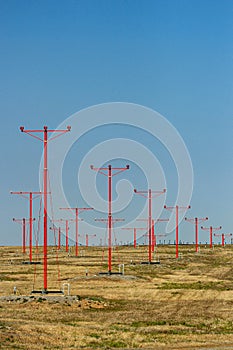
30, 226
109, 174
222, 239
45, 207
86, 240
196, 233
59, 238
134, 237
153, 235
67, 238
76, 231
177, 231
24, 235
45, 186
109, 218
149, 221
211, 236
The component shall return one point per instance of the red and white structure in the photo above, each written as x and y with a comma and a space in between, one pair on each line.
211, 230
177, 209
77, 211
223, 235
153, 231
87, 238
149, 194
160, 235
45, 132
134, 233
58, 230
110, 172
110, 240
67, 228
23, 222
196, 221
29, 195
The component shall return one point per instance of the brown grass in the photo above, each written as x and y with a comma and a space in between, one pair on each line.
179, 304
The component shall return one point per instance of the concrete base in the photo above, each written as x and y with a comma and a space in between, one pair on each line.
46, 292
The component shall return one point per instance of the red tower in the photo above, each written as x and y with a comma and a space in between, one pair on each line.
134, 233
87, 238
110, 246
77, 211
223, 235
196, 221
29, 195
110, 172
150, 194
23, 222
177, 208
211, 229
45, 141
66, 221
58, 229
153, 231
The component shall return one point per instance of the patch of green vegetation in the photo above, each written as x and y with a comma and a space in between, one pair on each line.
72, 324
94, 335
179, 267
225, 328
41, 299
119, 327
160, 323
195, 285
217, 327
93, 345
114, 344
10, 338
107, 344
118, 305
4, 277
95, 298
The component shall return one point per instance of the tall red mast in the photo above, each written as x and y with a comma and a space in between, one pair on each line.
153, 231
66, 221
109, 172
110, 240
87, 238
59, 232
77, 211
29, 195
58, 229
223, 235
150, 194
67, 235
45, 141
177, 208
160, 235
23, 223
196, 221
211, 229
134, 233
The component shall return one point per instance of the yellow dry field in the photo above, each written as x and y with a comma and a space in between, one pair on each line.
184, 303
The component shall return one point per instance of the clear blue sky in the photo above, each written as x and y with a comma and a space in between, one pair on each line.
174, 56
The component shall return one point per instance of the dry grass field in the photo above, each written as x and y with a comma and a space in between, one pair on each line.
177, 304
